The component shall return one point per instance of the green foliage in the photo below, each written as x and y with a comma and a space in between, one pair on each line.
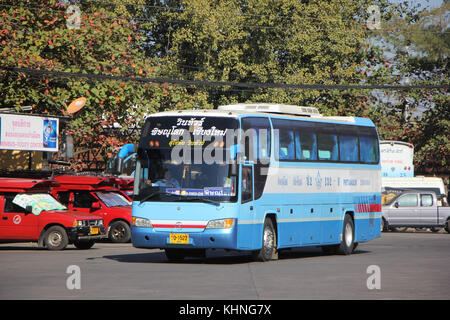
242, 41
35, 35
422, 47
286, 41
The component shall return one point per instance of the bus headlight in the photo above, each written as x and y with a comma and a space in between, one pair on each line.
141, 222
220, 224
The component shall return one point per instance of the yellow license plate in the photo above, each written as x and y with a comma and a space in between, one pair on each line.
94, 230
179, 238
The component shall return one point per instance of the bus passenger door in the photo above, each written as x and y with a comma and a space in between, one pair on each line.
247, 212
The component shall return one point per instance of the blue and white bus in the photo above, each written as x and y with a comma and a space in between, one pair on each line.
257, 178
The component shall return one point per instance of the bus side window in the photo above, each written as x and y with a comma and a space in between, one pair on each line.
286, 150
348, 148
305, 145
327, 147
369, 149
256, 139
247, 185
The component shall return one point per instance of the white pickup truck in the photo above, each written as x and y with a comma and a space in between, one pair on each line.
415, 209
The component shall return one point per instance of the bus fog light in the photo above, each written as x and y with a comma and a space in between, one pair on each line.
220, 224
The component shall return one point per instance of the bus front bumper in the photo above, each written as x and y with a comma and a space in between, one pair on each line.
207, 239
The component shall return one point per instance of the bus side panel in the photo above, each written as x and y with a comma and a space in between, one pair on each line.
367, 227
246, 234
313, 201
332, 220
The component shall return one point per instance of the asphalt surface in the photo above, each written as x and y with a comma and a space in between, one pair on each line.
400, 265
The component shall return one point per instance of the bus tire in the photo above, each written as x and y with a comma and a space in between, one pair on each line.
55, 238
348, 236
268, 250
119, 232
447, 226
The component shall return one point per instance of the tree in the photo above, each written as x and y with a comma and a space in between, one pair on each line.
43, 35
422, 42
295, 42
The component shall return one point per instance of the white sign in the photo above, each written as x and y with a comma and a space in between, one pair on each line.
28, 133
396, 159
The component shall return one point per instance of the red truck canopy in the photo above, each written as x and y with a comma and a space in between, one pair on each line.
91, 183
26, 185
126, 183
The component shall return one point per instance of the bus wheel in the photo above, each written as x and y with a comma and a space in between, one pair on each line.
348, 236
269, 243
55, 238
119, 232
447, 226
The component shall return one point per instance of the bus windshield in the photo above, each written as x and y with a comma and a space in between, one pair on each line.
185, 159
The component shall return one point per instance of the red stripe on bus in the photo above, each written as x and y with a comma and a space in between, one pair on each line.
189, 226
373, 207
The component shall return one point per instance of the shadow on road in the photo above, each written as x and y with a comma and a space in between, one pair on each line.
222, 257
214, 257
36, 248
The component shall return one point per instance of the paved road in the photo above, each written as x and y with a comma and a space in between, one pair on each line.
410, 265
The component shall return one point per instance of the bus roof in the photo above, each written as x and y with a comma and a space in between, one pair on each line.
71, 182
270, 110
23, 185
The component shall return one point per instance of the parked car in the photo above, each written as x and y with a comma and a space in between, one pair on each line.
416, 209
101, 196
29, 213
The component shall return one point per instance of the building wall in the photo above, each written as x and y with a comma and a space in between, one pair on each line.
20, 160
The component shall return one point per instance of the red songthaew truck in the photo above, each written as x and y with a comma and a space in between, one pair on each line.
100, 196
29, 213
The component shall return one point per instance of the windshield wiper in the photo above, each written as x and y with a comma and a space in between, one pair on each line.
216, 203
151, 195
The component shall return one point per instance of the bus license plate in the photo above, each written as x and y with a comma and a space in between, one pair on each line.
179, 238
94, 230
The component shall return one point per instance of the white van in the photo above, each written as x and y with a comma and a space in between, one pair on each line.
419, 182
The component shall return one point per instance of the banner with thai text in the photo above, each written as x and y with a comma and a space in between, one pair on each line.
28, 133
